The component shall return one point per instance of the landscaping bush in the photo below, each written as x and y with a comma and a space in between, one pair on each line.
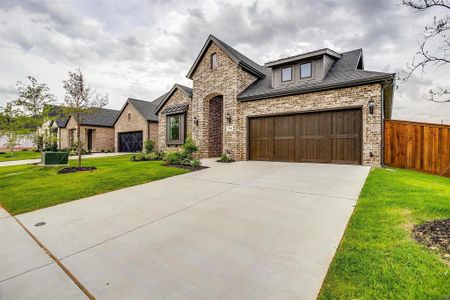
225, 158
174, 157
189, 147
152, 156
149, 146
195, 163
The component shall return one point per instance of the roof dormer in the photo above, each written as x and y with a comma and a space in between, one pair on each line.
302, 69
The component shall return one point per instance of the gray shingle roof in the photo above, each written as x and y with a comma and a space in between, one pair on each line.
56, 113
239, 58
147, 108
101, 117
343, 73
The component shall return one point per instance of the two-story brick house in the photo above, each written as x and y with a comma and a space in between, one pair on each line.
320, 106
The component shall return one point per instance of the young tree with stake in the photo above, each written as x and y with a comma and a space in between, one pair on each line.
80, 102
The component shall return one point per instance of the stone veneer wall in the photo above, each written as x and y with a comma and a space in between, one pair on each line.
338, 98
177, 98
102, 137
227, 80
215, 135
136, 123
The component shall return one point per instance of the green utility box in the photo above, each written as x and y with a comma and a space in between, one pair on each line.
54, 158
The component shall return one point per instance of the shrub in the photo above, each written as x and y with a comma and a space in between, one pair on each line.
225, 158
149, 146
103, 150
172, 157
196, 163
152, 156
139, 157
189, 147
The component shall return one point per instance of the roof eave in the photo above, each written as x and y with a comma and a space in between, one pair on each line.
316, 89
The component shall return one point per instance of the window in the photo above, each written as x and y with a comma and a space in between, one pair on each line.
305, 70
286, 74
175, 129
214, 62
129, 116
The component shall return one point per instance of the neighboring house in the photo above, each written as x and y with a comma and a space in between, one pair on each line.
174, 110
97, 131
320, 106
53, 126
136, 123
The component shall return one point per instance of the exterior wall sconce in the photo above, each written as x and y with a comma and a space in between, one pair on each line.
371, 105
228, 117
195, 121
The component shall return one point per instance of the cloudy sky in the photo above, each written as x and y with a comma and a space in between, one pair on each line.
141, 48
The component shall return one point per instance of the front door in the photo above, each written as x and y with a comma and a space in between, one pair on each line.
89, 138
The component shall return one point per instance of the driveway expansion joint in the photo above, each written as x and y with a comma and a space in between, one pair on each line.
56, 260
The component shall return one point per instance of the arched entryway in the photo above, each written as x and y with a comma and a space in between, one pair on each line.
215, 128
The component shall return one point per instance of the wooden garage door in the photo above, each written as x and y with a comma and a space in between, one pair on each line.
322, 137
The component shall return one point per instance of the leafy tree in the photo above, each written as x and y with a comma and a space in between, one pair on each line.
12, 124
434, 49
80, 102
33, 98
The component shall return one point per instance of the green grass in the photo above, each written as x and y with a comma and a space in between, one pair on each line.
25, 188
19, 155
377, 258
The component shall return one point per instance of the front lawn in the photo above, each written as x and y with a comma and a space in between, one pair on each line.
27, 187
19, 155
377, 258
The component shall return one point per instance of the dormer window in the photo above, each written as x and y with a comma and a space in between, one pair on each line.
214, 62
286, 74
305, 70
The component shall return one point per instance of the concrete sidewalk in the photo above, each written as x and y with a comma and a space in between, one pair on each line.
252, 230
26, 271
38, 160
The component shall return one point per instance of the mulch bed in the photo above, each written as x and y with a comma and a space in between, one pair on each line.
187, 167
435, 235
76, 169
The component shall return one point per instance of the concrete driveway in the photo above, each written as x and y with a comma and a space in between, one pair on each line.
251, 230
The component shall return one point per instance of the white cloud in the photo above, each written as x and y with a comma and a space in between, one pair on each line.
140, 48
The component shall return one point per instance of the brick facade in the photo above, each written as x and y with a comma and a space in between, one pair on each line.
177, 98
102, 137
228, 80
131, 120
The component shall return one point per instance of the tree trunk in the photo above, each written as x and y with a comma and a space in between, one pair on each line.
79, 144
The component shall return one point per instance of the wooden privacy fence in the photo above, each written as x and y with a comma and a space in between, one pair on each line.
420, 146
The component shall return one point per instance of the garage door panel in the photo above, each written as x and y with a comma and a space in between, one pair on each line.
261, 136
130, 141
284, 138
323, 137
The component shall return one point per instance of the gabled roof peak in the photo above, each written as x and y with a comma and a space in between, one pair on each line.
246, 63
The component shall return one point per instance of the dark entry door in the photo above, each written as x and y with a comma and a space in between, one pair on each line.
89, 145
322, 137
130, 141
